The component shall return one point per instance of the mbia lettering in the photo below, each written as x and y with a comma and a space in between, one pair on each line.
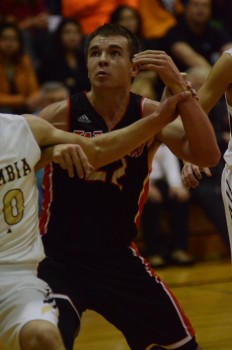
14, 171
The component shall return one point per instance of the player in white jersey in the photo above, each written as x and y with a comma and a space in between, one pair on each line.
23, 297
28, 313
219, 82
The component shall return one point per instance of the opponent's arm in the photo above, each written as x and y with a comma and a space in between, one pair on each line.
219, 79
111, 146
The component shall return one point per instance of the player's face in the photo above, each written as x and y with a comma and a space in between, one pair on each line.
109, 63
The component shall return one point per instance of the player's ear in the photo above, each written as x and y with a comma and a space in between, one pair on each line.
134, 70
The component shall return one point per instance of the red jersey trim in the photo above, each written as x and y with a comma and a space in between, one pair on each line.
47, 199
190, 333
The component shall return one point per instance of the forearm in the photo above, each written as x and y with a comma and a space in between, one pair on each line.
116, 144
201, 139
185, 53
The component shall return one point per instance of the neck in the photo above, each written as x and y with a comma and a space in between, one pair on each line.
110, 105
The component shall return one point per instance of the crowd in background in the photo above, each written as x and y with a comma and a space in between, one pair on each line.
42, 51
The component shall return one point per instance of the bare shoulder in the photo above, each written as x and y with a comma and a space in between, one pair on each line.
57, 114
149, 106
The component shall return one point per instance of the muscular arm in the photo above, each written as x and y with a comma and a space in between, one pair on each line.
186, 137
111, 146
192, 138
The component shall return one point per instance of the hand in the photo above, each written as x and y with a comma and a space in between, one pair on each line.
191, 174
181, 193
167, 108
163, 65
71, 157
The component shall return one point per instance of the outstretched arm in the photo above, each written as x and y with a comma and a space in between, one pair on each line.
218, 81
111, 146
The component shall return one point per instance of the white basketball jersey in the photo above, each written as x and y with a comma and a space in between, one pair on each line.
20, 241
228, 153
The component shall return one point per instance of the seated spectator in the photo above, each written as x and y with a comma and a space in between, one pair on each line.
51, 92
32, 18
194, 41
130, 18
19, 88
166, 193
65, 61
158, 16
92, 13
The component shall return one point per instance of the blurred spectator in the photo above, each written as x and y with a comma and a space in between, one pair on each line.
158, 16
92, 13
32, 18
166, 195
194, 41
65, 61
19, 88
130, 18
50, 92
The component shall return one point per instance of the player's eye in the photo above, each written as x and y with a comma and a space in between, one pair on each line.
94, 53
115, 53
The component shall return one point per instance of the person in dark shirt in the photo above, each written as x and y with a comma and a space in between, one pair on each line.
194, 41
89, 226
65, 62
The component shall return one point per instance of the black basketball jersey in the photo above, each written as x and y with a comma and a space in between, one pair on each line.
98, 215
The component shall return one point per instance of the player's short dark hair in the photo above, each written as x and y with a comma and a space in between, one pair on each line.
112, 29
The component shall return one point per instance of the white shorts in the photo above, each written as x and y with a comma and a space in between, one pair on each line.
226, 186
23, 298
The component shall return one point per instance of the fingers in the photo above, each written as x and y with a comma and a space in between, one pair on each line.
82, 164
206, 171
150, 59
191, 175
71, 158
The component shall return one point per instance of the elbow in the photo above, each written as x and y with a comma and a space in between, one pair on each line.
210, 160
216, 158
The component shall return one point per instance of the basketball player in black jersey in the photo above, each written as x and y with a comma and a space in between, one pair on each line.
89, 225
